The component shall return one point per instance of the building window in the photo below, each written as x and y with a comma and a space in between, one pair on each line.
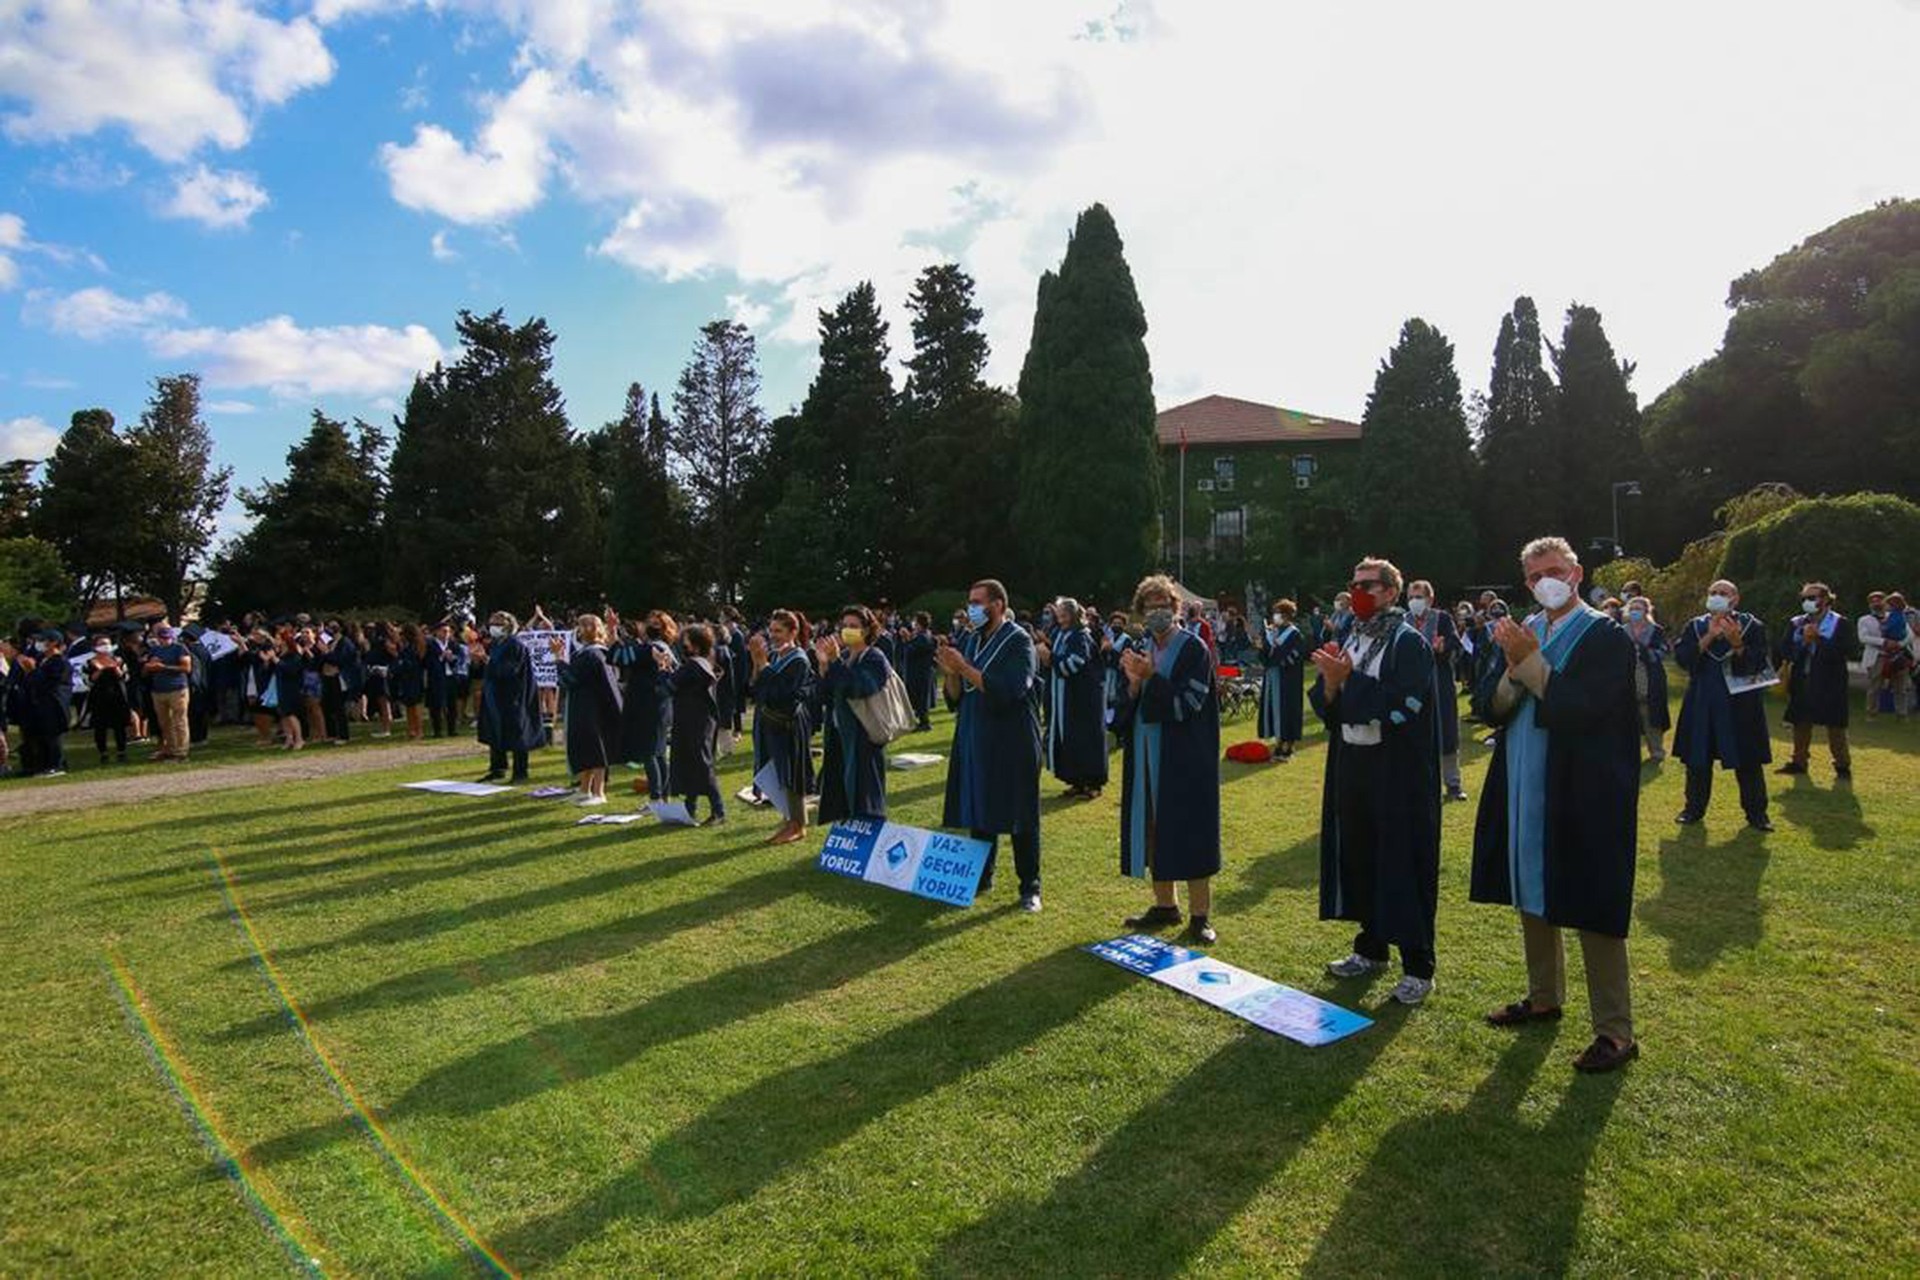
1304, 468
1223, 468
1229, 529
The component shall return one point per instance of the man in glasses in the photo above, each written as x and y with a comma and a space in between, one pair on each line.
1380, 804
1560, 808
1815, 648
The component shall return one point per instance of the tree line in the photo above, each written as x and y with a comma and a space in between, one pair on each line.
485, 492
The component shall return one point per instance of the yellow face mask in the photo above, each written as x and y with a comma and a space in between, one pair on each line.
851, 636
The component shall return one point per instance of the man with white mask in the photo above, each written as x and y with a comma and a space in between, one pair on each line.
1718, 725
1558, 825
1436, 628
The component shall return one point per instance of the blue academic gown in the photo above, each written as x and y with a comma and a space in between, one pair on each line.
1282, 698
917, 670
1716, 724
509, 705
1819, 674
1077, 723
1562, 847
1650, 649
646, 717
783, 724
853, 772
1392, 887
1170, 773
1446, 696
993, 780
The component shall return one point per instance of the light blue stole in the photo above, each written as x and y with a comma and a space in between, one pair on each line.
1526, 744
1271, 678
1146, 759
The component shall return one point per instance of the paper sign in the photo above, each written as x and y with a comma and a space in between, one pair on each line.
929, 864
672, 812
218, 644
607, 819
914, 760
768, 782
1748, 684
546, 667
549, 793
444, 787
1266, 1004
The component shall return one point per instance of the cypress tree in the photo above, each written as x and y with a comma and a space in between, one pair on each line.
643, 534
1598, 425
1519, 492
846, 425
1087, 508
1416, 463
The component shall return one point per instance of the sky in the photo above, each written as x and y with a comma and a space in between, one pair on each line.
294, 198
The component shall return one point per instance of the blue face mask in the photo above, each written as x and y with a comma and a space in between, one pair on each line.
977, 615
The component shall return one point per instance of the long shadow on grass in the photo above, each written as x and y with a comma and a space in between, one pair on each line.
1831, 819
591, 945
563, 1053
1709, 901
422, 924
1475, 1191
748, 1140
1179, 1169
1295, 867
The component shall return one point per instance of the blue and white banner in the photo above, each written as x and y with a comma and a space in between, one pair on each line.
1266, 1004
931, 864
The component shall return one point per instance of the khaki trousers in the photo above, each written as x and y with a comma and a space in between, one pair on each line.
170, 709
1608, 982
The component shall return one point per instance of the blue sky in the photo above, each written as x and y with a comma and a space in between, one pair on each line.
294, 197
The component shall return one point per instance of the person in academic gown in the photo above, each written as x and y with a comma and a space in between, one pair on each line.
647, 717
1559, 817
1816, 648
1435, 626
993, 780
408, 676
592, 691
1077, 720
1380, 803
509, 721
724, 693
853, 772
1169, 726
295, 658
1716, 724
739, 670
1650, 650
696, 726
446, 667
783, 717
916, 668
49, 700
1283, 656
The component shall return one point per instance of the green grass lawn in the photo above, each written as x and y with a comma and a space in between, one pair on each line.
398, 1033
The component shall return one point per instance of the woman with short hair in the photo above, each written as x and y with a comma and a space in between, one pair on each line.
853, 774
1077, 714
509, 719
593, 707
1283, 655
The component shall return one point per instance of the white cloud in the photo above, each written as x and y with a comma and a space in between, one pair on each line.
442, 251
218, 198
500, 176
292, 361
13, 234
97, 312
175, 74
230, 407
26, 438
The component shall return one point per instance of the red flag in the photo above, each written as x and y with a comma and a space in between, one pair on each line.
1183, 439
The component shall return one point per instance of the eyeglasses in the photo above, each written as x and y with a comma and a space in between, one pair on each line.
1366, 584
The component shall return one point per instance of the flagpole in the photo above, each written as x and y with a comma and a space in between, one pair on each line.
1181, 546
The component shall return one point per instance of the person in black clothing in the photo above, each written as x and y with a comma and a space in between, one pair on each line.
1816, 648
509, 720
916, 668
107, 699
695, 725
49, 696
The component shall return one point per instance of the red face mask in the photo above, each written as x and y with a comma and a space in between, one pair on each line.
1364, 605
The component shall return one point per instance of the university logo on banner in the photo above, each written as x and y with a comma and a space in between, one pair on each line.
1268, 1005
928, 864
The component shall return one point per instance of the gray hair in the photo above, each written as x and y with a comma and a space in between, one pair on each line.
1068, 606
1549, 546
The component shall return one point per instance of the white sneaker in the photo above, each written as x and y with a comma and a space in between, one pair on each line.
1412, 990
1355, 966
589, 802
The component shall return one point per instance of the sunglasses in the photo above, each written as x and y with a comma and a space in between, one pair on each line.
1366, 584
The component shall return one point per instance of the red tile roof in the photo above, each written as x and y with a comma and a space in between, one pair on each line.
1213, 420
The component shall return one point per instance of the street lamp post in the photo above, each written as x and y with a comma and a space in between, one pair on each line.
1632, 489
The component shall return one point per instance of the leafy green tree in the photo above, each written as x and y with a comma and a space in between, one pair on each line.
796, 564
16, 497
1816, 382
1087, 505
83, 505
646, 520
717, 436
955, 520
1416, 461
315, 538
846, 433
177, 492
33, 583
1597, 427
1519, 487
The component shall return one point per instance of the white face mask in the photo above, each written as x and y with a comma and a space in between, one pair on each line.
1552, 593
1717, 603
1417, 605
496, 632
1809, 606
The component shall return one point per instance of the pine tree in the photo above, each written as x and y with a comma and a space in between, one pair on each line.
717, 436
315, 537
16, 497
952, 526
846, 427
1519, 491
645, 531
1598, 425
82, 505
1087, 510
1416, 461
178, 491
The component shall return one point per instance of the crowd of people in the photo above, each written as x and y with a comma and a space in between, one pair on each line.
1572, 697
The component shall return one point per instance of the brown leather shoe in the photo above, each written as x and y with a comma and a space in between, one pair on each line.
1604, 1054
1521, 1012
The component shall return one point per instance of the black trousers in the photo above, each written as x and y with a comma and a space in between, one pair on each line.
1753, 789
497, 762
119, 732
1361, 773
333, 708
442, 718
1026, 859
712, 795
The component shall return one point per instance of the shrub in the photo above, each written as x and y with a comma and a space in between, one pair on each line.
1854, 544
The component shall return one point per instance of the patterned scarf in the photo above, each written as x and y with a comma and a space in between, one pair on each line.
1372, 634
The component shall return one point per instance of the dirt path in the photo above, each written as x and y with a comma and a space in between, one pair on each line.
19, 797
